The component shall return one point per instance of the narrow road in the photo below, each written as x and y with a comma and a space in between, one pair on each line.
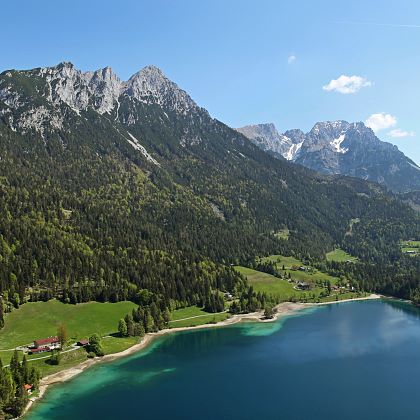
197, 316
72, 348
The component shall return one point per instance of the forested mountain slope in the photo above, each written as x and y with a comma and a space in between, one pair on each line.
108, 188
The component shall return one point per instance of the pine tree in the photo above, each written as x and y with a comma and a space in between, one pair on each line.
130, 324
122, 327
24, 370
139, 329
15, 368
1, 313
7, 389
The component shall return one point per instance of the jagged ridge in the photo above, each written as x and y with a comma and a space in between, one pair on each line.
339, 147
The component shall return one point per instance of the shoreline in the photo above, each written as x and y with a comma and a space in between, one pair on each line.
283, 310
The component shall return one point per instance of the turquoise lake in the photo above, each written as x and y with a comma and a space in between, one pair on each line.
357, 360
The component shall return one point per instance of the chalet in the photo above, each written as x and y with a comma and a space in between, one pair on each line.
302, 285
228, 296
83, 342
27, 388
50, 342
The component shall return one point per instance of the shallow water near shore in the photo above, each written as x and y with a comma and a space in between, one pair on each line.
342, 361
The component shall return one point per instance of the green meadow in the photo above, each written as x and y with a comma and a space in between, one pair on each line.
282, 234
340, 255
412, 247
284, 290
193, 316
35, 320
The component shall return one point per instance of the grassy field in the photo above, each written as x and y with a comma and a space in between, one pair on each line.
67, 360
283, 290
202, 320
40, 319
412, 247
36, 320
117, 344
312, 275
339, 255
178, 317
187, 312
281, 260
282, 234
263, 282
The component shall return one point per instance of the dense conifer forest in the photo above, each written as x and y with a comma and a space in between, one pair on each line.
84, 215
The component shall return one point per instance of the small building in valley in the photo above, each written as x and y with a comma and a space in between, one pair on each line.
302, 285
83, 342
50, 343
27, 388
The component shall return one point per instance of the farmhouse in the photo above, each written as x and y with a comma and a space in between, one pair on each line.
83, 342
302, 285
50, 343
28, 388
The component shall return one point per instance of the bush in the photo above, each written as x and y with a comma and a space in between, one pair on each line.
55, 358
95, 345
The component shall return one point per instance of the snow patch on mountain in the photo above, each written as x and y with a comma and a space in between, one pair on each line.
414, 166
322, 149
336, 144
136, 144
293, 151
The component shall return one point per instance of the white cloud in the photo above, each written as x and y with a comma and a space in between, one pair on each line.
399, 134
291, 59
380, 121
347, 84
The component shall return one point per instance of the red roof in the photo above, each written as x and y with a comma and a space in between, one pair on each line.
83, 342
48, 340
27, 387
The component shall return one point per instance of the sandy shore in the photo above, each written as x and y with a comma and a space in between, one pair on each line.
283, 310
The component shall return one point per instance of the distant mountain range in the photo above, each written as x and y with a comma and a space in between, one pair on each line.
339, 147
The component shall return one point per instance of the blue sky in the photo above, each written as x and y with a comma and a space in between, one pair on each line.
232, 56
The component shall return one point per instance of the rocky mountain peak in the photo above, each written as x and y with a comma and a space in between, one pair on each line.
100, 90
269, 139
295, 135
340, 147
150, 85
266, 131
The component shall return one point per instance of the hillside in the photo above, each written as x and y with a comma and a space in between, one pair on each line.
128, 190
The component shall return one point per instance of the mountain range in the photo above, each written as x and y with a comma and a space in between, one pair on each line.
112, 188
339, 147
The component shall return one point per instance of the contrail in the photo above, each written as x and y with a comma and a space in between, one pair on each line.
391, 25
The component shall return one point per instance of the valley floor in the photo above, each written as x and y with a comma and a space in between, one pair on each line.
282, 310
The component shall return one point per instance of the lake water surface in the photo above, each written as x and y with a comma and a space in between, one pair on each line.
357, 360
